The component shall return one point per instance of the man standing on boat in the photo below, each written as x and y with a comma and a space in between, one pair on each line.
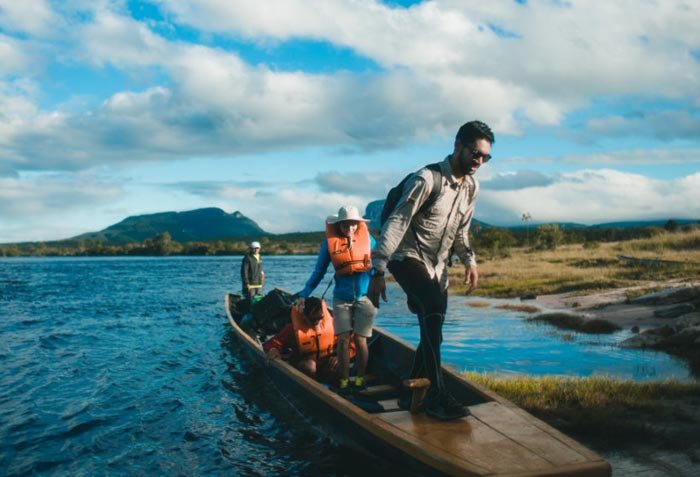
252, 275
416, 243
348, 247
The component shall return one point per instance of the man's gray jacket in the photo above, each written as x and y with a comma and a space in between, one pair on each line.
436, 229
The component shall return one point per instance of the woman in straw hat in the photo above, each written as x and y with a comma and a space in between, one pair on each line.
348, 247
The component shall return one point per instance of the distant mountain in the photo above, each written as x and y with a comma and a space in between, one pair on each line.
208, 224
611, 225
562, 225
191, 226
644, 223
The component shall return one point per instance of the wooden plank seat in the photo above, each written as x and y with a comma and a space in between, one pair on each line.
389, 405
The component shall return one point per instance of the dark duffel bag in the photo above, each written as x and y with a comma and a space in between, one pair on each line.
272, 313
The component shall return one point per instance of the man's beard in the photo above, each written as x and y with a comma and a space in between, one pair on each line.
466, 166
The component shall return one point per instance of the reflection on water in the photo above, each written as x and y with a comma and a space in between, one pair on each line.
124, 366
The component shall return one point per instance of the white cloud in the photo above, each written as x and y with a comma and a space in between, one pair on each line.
27, 16
45, 195
364, 184
292, 210
51, 207
276, 206
12, 59
594, 196
664, 125
442, 58
219, 106
440, 63
641, 156
589, 197
516, 180
561, 53
390, 36
121, 41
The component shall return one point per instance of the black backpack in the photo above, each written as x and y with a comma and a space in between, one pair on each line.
394, 195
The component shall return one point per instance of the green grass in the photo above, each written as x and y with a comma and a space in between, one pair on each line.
637, 292
577, 268
616, 412
522, 308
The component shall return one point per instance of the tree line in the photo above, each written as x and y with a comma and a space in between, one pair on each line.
489, 241
495, 241
161, 245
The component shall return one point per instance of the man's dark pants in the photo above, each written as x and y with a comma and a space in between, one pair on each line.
427, 300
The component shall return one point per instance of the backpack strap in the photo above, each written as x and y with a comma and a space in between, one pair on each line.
437, 187
473, 188
434, 194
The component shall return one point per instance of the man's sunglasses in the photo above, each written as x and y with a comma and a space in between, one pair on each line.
478, 154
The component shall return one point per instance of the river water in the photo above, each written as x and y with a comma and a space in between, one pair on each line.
126, 366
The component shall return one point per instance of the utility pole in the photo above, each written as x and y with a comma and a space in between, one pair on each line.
526, 218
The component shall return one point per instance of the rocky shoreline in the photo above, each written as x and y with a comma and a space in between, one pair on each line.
667, 319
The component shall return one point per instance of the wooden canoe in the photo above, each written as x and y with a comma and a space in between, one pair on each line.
497, 439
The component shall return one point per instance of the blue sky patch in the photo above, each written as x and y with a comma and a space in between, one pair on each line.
298, 54
502, 32
401, 3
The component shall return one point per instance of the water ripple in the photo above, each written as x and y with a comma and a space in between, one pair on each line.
126, 366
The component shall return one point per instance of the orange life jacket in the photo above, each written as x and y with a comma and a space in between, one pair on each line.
318, 342
347, 260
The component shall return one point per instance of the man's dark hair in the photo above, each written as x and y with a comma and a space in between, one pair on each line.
472, 131
312, 305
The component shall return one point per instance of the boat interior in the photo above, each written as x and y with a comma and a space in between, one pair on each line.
495, 439
390, 359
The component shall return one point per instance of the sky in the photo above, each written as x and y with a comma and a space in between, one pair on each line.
285, 110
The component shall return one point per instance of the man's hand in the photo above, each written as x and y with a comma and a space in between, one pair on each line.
377, 288
299, 304
471, 278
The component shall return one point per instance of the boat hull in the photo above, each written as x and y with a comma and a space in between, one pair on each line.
497, 439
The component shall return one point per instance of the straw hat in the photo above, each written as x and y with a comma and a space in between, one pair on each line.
346, 212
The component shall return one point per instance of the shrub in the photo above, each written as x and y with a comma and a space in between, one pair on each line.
548, 237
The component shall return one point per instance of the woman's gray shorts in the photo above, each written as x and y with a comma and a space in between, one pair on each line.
357, 316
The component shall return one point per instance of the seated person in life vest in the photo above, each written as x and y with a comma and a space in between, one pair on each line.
310, 340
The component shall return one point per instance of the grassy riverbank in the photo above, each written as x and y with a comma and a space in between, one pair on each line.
586, 267
608, 413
